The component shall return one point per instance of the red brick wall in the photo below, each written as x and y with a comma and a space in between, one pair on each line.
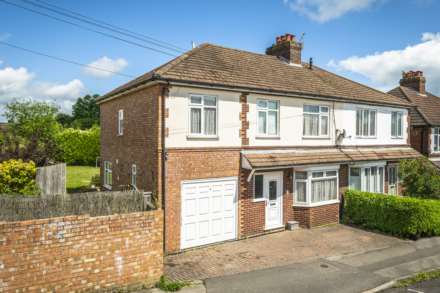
191, 165
140, 143
80, 253
310, 217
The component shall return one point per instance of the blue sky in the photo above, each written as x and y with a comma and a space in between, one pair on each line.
370, 41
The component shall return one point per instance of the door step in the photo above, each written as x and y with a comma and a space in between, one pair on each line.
292, 225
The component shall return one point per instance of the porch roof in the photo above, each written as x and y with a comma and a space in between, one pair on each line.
331, 155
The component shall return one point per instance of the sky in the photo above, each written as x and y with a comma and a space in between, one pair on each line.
369, 41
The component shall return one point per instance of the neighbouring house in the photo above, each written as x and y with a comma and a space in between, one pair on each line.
425, 115
235, 144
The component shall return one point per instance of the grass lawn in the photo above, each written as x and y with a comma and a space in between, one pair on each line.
78, 177
421, 277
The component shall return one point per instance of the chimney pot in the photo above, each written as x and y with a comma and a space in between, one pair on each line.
414, 80
287, 47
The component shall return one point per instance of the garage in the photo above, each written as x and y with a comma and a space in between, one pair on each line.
209, 211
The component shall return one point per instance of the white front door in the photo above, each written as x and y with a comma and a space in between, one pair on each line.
272, 189
208, 211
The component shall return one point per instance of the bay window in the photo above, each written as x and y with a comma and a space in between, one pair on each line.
435, 139
268, 117
396, 124
367, 178
316, 187
316, 121
203, 115
365, 123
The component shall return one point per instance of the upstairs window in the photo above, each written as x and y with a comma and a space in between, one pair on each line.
134, 175
436, 139
108, 177
120, 122
316, 121
268, 117
365, 123
203, 115
396, 124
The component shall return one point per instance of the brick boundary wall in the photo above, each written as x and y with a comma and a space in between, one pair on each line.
81, 253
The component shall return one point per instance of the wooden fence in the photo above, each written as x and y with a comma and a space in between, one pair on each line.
52, 180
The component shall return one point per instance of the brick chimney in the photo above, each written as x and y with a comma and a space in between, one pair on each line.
288, 48
414, 80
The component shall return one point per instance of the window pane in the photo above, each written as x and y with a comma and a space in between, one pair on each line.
311, 109
324, 125
272, 105
196, 120
324, 109
196, 100
372, 123
273, 122
393, 124
301, 191
367, 179
209, 101
317, 174
381, 179
272, 190
262, 122
210, 121
399, 124
331, 173
262, 104
311, 123
258, 185
323, 190
301, 175
355, 178
358, 122
365, 121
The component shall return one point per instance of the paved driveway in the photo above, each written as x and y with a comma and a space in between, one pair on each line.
273, 250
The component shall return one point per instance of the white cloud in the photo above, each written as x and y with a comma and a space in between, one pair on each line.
16, 83
111, 66
325, 10
384, 68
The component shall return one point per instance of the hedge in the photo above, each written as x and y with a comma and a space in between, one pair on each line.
399, 216
78, 147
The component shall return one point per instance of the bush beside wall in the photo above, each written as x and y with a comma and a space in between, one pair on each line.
78, 147
18, 177
399, 216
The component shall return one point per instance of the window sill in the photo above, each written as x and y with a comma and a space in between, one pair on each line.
258, 200
316, 137
317, 204
268, 137
366, 137
202, 137
108, 187
396, 137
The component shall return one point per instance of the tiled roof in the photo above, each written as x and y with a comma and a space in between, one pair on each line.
428, 106
216, 65
327, 156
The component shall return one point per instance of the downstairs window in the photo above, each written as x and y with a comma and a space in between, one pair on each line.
316, 187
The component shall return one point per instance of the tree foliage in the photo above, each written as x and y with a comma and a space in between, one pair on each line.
18, 177
420, 178
85, 112
78, 147
31, 131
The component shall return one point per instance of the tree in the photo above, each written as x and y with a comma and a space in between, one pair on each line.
33, 126
65, 120
420, 178
85, 112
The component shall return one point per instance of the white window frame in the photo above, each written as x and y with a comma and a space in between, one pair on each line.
361, 134
202, 106
121, 122
266, 110
320, 114
134, 175
395, 115
362, 168
397, 178
262, 198
435, 136
108, 175
310, 179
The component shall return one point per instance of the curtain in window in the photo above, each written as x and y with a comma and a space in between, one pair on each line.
365, 120
323, 190
196, 120
372, 123
358, 122
262, 122
311, 124
272, 123
399, 124
393, 124
324, 125
301, 188
210, 121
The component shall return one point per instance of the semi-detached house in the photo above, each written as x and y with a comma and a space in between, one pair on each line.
235, 144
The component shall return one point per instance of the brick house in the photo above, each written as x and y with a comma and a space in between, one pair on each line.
425, 115
235, 144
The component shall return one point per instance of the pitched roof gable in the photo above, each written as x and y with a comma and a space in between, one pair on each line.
215, 65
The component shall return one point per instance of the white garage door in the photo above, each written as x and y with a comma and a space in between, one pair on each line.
208, 211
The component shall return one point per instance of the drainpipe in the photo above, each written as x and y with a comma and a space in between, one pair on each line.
164, 94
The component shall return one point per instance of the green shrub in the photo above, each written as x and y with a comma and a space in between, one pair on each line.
166, 284
18, 177
420, 178
78, 147
400, 216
